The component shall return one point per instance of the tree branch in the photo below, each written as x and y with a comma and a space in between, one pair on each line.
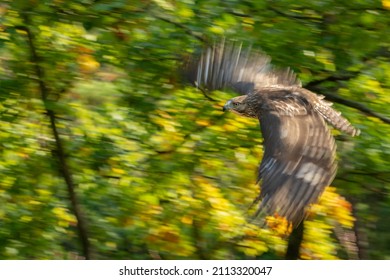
237, 14
361, 237
297, 17
347, 239
314, 86
59, 150
356, 105
181, 26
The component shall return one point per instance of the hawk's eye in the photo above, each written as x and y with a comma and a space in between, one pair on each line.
235, 103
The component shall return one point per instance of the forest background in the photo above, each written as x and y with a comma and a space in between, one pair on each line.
107, 154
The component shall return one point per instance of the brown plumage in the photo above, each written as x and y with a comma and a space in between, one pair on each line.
299, 150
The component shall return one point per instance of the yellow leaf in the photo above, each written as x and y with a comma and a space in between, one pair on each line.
203, 122
87, 63
386, 4
187, 220
185, 12
111, 245
216, 29
26, 219
118, 171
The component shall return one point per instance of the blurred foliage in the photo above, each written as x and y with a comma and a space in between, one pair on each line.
160, 172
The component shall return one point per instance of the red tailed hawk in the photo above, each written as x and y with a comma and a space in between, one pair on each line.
299, 150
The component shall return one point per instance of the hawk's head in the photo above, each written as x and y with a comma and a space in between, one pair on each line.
240, 106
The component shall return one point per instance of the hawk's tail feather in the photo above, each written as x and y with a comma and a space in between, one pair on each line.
334, 118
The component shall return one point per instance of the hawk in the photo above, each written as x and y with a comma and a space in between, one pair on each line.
299, 149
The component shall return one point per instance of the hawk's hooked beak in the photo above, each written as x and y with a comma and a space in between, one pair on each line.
227, 106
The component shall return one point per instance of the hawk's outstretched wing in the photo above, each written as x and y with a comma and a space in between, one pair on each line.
228, 65
299, 157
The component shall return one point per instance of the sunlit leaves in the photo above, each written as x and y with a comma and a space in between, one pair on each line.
386, 4
161, 171
318, 243
87, 63
333, 206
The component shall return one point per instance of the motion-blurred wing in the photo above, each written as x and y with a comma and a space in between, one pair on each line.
299, 158
227, 65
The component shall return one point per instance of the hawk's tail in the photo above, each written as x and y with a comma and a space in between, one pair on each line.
334, 118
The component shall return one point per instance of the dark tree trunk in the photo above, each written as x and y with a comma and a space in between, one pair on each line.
59, 149
294, 243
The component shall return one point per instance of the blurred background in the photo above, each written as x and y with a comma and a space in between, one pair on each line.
107, 154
